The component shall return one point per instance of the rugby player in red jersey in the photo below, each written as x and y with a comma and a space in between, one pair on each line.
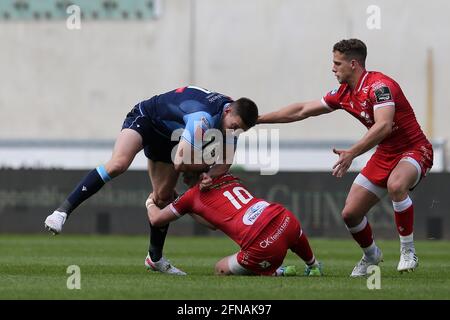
402, 158
264, 231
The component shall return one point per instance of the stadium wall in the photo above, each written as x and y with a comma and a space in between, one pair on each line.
317, 198
79, 84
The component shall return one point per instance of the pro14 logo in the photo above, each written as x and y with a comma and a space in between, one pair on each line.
383, 94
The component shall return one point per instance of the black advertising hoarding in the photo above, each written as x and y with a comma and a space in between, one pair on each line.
317, 198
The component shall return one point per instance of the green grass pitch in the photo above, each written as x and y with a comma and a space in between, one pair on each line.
34, 267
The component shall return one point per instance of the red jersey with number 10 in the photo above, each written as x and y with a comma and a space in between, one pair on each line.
376, 90
229, 207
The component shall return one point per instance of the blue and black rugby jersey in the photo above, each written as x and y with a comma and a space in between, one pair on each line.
185, 108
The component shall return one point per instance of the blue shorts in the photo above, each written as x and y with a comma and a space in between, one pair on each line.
157, 147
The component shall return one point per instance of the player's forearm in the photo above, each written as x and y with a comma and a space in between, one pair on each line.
377, 133
159, 217
291, 113
153, 213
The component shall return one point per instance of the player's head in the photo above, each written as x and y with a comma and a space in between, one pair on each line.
240, 114
191, 178
349, 56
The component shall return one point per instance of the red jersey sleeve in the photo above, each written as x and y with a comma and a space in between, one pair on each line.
332, 99
382, 94
183, 204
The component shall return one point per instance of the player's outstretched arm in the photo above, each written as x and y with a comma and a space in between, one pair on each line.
159, 217
295, 112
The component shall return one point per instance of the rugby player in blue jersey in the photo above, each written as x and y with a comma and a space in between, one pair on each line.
150, 125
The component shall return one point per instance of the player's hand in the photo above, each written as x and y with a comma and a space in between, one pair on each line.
259, 119
205, 182
149, 200
344, 162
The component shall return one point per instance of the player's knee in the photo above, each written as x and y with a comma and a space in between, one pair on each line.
163, 198
348, 215
219, 271
221, 268
396, 188
116, 167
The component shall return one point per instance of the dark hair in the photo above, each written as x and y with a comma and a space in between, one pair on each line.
353, 49
247, 110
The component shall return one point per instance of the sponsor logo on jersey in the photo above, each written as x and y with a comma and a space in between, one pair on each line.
216, 96
244, 258
205, 123
365, 89
383, 94
253, 213
274, 237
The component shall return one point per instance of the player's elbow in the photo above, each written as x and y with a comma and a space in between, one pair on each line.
260, 120
302, 115
302, 112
